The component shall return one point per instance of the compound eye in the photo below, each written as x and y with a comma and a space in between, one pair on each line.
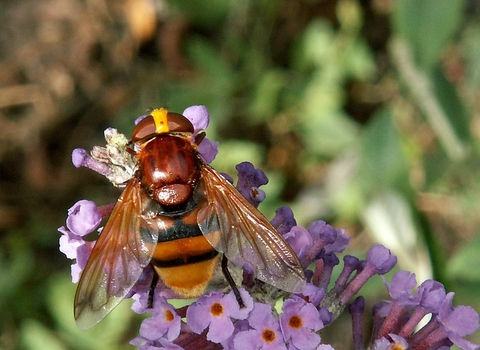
145, 128
161, 122
177, 122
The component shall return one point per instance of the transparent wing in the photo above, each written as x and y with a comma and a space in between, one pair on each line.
124, 248
239, 231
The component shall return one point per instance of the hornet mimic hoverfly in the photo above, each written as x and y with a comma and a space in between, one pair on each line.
177, 214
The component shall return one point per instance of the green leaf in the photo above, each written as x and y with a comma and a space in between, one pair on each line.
327, 134
231, 152
108, 335
427, 97
266, 98
383, 164
460, 265
471, 47
206, 57
427, 25
316, 47
452, 106
36, 336
389, 218
207, 13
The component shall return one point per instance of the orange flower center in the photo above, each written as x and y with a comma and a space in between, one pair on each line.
268, 335
216, 309
169, 316
295, 322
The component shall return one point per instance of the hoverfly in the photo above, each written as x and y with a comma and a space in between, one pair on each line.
178, 214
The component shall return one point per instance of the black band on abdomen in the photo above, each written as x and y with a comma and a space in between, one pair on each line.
188, 260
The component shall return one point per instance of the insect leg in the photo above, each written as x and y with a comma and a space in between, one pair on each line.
152, 290
231, 282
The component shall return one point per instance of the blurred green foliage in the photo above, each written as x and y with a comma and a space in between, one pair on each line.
362, 113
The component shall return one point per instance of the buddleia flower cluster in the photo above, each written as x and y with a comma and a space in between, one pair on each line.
215, 320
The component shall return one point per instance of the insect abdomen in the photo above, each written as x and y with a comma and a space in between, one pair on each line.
184, 259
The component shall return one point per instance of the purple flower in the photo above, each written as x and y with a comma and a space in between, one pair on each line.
69, 243
401, 288
80, 157
208, 150
457, 322
284, 220
249, 179
215, 311
198, 116
141, 290
165, 322
140, 303
350, 264
324, 238
340, 243
83, 253
385, 344
74, 247
319, 347
404, 300
139, 119
112, 161
300, 240
432, 295
322, 231
312, 294
381, 344
163, 344
324, 269
379, 261
299, 322
240, 326
216, 320
83, 217
265, 333
356, 309
400, 317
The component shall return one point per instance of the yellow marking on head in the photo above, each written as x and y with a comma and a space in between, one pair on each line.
161, 121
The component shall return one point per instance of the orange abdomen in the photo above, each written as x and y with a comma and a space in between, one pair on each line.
185, 265
183, 258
